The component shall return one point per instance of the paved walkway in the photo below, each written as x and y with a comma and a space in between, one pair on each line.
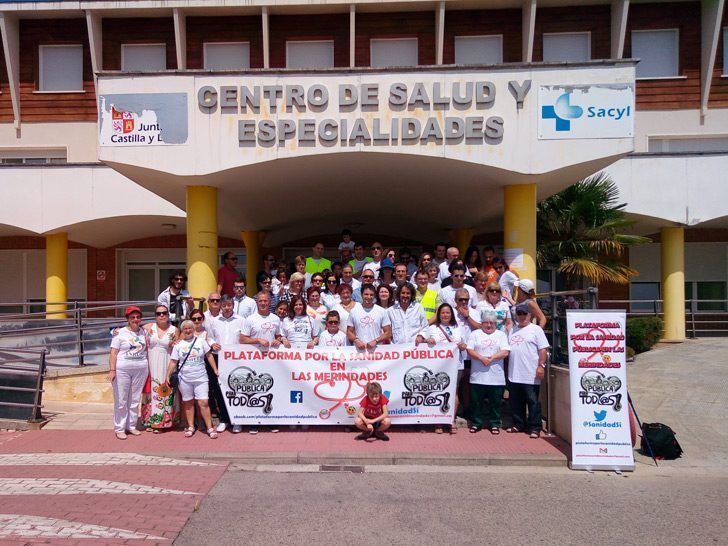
684, 386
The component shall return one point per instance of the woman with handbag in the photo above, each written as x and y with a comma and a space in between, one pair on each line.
445, 330
187, 369
160, 410
128, 370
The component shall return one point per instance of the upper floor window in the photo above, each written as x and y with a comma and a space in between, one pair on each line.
315, 54
478, 49
396, 52
143, 57
657, 51
725, 51
226, 55
61, 68
567, 47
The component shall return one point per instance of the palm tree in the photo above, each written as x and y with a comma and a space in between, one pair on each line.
580, 233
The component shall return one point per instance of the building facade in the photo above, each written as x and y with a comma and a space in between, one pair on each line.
141, 137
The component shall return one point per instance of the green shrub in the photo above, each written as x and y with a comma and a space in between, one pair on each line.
643, 333
630, 353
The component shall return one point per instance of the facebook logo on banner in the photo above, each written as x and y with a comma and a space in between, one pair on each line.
296, 397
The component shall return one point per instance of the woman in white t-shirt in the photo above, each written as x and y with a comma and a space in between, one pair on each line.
315, 308
445, 329
506, 278
298, 328
190, 353
487, 349
345, 306
128, 371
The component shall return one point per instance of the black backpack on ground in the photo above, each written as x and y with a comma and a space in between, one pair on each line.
662, 440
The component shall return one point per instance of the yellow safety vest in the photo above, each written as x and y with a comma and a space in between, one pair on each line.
313, 267
428, 300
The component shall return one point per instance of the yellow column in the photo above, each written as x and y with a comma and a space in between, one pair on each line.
201, 240
461, 238
672, 261
519, 229
56, 274
253, 241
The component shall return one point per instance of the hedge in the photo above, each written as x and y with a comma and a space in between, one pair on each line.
643, 333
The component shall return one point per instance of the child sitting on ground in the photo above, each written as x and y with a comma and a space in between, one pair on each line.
373, 417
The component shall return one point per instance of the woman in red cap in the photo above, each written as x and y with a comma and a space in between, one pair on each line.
128, 369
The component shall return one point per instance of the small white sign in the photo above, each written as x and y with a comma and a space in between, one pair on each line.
585, 111
600, 426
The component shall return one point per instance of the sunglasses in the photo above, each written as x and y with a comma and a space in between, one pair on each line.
458, 276
238, 287
214, 300
330, 280
368, 277
377, 248
521, 313
493, 290
197, 319
179, 280
264, 282
332, 322
462, 299
161, 313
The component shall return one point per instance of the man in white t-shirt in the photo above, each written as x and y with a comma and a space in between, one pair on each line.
487, 349
224, 330
347, 277
262, 328
453, 255
526, 369
360, 260
368, 324
447, 293
242, 304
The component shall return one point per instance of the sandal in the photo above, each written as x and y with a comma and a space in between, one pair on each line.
473, 430
512, 430
212, 433
495, 431
189, 432
438, 430
453, 429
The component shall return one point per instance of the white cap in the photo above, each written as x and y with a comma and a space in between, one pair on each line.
525, 284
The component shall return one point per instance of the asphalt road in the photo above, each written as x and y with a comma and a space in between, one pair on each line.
460, 506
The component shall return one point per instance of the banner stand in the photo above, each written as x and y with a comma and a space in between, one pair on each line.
600, 425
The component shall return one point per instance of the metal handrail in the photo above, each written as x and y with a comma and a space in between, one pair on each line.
38, 389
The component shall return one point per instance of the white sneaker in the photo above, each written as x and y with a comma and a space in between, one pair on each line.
237, 429
275, 429
253, 431
221, 427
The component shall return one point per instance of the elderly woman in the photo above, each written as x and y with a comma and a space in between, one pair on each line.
487, 349
189, 356
295, 288
445, 329
495, 302
526, 369
160, 409
128, 371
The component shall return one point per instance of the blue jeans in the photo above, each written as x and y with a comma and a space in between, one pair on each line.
525, 397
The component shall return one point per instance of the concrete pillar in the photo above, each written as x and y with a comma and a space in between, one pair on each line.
56, 274
519, 229
461, 238
253, 241
672, 261
201, 240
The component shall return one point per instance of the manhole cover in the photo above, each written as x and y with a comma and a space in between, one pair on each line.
341, 468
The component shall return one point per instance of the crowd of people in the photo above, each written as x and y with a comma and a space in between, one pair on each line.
361, 300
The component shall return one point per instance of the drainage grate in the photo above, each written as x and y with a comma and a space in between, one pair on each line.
341, 468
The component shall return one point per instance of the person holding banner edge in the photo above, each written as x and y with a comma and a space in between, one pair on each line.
526, 369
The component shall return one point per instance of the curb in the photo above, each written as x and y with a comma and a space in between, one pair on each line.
364, 459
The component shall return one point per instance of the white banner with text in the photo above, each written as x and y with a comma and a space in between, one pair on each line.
600, 425
323, 386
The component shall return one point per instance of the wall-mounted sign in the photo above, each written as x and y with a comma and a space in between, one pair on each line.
143, 119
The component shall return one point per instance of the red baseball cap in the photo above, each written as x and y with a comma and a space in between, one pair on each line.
131, 309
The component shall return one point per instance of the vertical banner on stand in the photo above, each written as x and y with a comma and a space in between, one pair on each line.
323, 386
600, 425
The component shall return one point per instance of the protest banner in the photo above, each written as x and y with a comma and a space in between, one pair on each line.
600, 429
323, 386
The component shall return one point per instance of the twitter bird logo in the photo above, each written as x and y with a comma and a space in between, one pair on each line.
600, 415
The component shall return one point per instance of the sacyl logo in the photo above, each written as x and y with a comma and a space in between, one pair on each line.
562, 112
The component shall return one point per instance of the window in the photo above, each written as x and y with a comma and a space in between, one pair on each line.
649, 292
399, 52
226, 55
143, 57
657, 51
700, 291
32, 157
567, 46
61, 68
478, 49
310, 54
687, 144
725, 51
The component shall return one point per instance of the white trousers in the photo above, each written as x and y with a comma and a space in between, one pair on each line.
128, 385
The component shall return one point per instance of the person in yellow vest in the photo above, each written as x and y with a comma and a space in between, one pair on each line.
317, 263
426, 297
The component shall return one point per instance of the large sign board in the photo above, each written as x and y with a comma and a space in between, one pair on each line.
323, 386
600, 426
